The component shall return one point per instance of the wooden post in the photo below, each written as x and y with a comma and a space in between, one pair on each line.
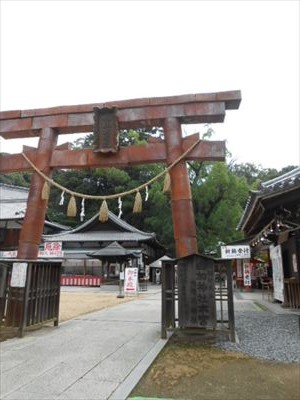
230, 304
167, 297
25, 301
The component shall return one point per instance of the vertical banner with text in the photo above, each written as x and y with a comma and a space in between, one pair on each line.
277, 267
247, 274
131, 280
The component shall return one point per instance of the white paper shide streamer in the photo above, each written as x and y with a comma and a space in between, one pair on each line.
120, 207
147, 194
82, 213
62, 199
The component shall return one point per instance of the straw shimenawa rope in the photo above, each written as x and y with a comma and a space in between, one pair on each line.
103, 214
112, 196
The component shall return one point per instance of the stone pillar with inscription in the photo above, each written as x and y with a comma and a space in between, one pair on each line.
196, 292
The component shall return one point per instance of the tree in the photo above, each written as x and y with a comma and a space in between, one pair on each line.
254, 174
218, 204
16, 178
106, 181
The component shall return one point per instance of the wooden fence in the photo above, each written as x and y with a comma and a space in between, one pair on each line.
292, 293
220, 300
29, 293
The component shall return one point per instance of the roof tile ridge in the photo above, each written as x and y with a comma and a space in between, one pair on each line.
123, 223
14, 187
280, 178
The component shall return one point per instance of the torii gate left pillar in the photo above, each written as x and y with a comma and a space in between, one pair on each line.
168, 112
181, 197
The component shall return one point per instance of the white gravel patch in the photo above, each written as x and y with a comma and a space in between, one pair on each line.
266, 335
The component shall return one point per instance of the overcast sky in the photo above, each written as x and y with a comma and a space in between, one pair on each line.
76, 52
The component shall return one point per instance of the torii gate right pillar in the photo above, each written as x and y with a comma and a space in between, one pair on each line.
181, 197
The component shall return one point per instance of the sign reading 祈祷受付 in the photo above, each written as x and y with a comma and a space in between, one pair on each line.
236, 251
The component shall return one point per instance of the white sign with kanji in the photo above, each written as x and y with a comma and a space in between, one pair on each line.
278, 275
18, 275
131, 280
52, 249
236, 251
41, 253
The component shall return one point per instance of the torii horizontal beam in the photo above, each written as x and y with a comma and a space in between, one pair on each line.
151, 153
136, 113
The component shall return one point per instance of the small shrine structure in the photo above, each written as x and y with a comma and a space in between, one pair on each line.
271, 221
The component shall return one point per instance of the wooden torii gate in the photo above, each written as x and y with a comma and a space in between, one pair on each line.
166, 112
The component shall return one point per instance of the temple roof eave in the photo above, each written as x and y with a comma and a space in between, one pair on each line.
273, 188
98, 236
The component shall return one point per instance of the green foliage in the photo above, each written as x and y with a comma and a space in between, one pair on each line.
255, 175
16, 178
159, 218
138, 136
85, 142
218, 205
131, 137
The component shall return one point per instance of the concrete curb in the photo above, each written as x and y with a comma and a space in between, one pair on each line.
124, 390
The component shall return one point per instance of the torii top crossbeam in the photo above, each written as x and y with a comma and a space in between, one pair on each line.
166, 112
136, 113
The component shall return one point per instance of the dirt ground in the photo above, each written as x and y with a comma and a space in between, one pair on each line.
74, 304
189, 371
199, 372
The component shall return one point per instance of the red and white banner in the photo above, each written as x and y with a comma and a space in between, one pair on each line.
247, 274
51, 249
131, 280
78, 280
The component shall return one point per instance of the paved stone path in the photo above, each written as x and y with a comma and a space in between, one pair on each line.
101, 355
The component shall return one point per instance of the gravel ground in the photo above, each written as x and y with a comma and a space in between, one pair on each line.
266, 335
